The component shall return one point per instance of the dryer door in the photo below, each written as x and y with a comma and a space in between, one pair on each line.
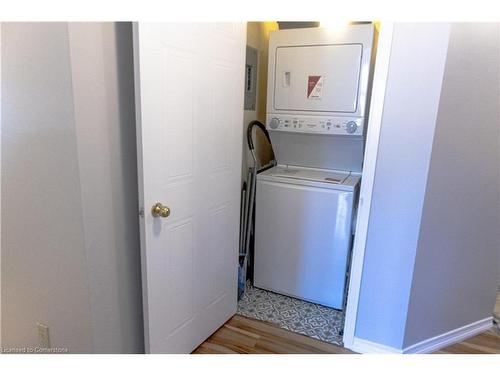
322, 78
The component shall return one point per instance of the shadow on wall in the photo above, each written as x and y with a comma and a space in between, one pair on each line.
130, 268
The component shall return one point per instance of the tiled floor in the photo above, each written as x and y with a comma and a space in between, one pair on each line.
293, 314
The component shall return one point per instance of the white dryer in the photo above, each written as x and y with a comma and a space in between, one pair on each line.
303, 232
317, 101
318, 81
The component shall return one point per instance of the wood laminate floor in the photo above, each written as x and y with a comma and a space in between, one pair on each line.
249, 336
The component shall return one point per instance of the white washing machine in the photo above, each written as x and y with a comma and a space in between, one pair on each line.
317, 100
303, 232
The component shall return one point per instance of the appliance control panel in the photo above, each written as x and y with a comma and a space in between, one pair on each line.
352, 126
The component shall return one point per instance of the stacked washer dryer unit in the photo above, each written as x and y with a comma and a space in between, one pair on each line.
316, 117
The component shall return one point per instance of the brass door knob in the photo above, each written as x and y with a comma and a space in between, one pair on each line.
159, 210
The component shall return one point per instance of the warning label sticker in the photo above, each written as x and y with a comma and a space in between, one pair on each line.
314, 87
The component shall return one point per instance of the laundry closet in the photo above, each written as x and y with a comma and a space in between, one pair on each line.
361, 197
299, 208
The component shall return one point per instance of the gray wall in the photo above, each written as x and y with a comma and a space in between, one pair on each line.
408, 121
455, 273
70, 246
43, 246
499, 181
103, 91
431, 254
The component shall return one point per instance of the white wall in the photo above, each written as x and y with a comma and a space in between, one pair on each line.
70, 247
455, 275
431, 255
43, 251
408, 121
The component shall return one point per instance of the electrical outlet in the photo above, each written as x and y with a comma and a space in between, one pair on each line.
43, 335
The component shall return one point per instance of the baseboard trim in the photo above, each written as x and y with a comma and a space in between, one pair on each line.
370, 347
451, 337
426, 346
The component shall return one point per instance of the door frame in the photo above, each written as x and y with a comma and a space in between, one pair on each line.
369, 167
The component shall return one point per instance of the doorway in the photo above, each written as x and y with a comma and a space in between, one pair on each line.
185, 327
314, 320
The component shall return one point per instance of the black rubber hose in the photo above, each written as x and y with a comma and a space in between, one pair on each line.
249, 132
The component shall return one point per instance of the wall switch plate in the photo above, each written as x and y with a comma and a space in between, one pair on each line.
43, 335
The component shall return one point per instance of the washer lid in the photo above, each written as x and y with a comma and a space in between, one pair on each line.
332, 177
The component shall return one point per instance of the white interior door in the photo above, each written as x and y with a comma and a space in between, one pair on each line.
189, 95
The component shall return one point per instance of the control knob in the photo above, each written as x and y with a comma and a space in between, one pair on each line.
351, 127
274, 123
